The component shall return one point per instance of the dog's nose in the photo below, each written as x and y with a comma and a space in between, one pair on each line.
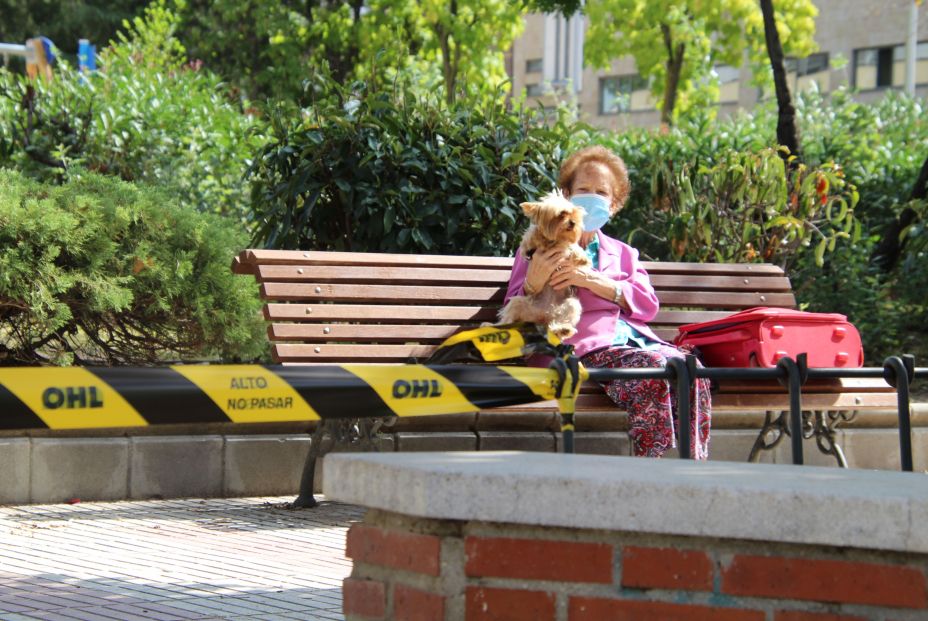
570, 225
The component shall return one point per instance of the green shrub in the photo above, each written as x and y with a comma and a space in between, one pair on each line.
387, 171
145, 116
98, 270
749, 208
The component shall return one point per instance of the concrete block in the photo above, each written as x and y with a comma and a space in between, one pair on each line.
807, 505
85, 468
516, 441
920, 449
518, 421
14, 471
735, 445
437, 422
873, 448
614, 420
385, 443
600, 442
176, 467
264, 465
811, 455
436, 441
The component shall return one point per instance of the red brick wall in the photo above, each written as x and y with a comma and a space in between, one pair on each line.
448, 571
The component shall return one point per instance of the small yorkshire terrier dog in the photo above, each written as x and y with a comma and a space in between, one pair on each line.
556, 222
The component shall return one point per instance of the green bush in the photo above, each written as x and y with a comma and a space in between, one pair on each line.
100, 271
750, 207
387, 171
145, 116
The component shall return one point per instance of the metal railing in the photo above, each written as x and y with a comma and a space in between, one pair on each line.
898, 371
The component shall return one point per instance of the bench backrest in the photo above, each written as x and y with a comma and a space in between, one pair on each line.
344, 307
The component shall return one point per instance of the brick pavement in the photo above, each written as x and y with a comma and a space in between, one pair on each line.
239, 559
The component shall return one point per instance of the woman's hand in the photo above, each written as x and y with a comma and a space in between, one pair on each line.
572, 275
568, 275
541, 267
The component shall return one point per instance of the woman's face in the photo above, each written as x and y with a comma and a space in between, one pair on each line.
594, 178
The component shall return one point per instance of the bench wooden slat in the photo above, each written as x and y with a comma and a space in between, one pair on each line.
380, 293
311, 257
393, 293
702, 282
713, 299
813, 385
730, 269
333, 332
285, 352
487, 277
376, 314
361, 274
737, 402
386, 333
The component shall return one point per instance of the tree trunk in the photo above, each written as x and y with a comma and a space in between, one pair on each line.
887, 252
448, 56
674, 68
787, 130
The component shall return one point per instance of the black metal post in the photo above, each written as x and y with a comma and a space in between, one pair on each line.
682, 375
794, 381
897, 374
567, 432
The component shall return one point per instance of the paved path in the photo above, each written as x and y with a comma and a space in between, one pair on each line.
244, 558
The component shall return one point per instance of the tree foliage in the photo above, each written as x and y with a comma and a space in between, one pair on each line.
676, 43
375, 170
101, 271
66, 21
751, 206
462, 41
266, 47
146, 115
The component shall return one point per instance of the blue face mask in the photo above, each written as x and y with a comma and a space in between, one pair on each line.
596, 210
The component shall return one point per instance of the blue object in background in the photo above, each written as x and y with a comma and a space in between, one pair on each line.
86, 55
49, 48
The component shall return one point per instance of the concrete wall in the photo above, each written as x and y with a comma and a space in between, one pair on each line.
218, 461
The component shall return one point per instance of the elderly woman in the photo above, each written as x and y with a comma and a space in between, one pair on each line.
618, 301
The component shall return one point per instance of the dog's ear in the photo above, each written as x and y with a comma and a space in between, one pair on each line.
529, 208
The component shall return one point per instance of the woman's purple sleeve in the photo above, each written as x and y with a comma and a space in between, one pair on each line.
517, 278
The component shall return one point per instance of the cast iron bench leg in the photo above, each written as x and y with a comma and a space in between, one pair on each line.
329, 435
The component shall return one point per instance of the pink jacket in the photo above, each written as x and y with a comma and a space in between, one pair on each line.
597, 325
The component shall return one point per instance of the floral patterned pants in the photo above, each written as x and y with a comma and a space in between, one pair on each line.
651, 403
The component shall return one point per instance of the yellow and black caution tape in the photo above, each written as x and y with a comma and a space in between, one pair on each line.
85, 397
495, 343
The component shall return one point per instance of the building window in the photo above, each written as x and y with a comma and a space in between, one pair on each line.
623, 93
534, 65
729, 83
534, 90
811, 71
879, 67
814, 63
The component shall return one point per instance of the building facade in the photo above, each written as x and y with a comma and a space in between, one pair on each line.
861, 44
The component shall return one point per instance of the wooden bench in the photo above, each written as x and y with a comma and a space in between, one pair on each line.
344, 307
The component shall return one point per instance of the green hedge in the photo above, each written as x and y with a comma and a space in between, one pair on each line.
146, 115
391, 172
101, 271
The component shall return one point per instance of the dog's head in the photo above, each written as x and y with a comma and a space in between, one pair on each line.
556, 218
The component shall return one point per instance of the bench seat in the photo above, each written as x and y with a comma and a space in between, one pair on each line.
352, 307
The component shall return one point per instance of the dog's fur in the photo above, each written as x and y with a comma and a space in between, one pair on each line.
555, 222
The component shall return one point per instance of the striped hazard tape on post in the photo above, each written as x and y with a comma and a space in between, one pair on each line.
86, 398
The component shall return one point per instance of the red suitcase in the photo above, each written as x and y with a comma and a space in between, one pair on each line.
759, 337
